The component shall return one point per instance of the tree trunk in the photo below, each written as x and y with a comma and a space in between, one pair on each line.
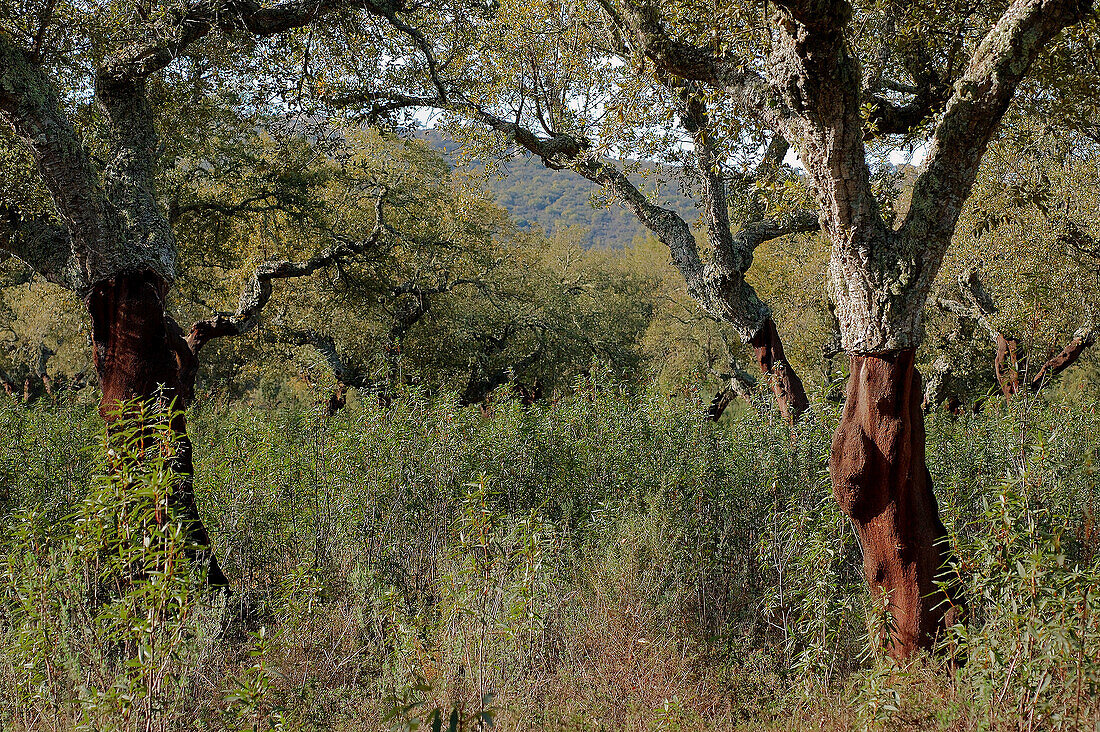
718, 404
1006, 365
336, 400
789, 392
140, 354
881, 481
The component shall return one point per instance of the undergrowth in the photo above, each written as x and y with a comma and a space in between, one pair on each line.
609, 561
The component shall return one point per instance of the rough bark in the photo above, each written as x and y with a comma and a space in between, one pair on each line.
140, 354
880, 276
937, 391
881, 481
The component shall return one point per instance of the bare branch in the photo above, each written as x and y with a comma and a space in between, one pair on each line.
326, 346
44, 19
886, 118
754, 233
260, 203
1083, 338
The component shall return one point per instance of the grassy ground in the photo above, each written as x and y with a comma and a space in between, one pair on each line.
606, 562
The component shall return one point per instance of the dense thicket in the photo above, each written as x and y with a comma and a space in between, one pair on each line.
608, 561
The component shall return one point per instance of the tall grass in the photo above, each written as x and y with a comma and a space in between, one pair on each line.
609, 561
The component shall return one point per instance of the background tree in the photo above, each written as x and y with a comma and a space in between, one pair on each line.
1023, 275
452, 297
563, 95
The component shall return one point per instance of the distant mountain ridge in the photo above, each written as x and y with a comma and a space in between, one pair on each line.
557, 199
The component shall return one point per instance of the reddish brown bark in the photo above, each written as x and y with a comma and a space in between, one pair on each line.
1006, 365
881, 481
140, 354
1063, 359
1010, 362
789, 392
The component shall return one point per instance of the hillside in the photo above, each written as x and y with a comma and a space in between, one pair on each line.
557, 199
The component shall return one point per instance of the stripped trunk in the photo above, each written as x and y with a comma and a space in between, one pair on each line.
881, 481
1006, 365
783, 380
785, 384
812, 92
140, 354
1011, 363
719, 403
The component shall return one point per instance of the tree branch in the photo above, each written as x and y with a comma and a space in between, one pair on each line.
929, 93
198, 18
739, 383
886, 118
31, 104
45, 247
1082, 339
978, 305
258, 290
639, 25
974, 112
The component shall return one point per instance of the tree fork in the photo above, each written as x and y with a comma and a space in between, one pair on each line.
1010, 361
140, 354
881, 481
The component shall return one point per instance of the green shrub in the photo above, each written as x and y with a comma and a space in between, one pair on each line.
607, 561
102, 611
